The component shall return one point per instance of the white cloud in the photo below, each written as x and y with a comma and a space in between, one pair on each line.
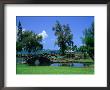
23, 29
43, 34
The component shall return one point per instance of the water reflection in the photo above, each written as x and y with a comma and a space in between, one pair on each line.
72, 64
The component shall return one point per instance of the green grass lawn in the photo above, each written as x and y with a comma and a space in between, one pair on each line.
25, 69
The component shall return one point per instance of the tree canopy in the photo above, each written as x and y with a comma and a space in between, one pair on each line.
28, 40
88, 40
64, 36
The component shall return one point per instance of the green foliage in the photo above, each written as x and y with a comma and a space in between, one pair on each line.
19, 34
18, 46
82, 48
19, 43
88, 40
83, 52
31, 41
64, 36
74, 48
27, 40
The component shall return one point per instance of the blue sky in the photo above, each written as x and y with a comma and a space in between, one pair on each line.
43, 25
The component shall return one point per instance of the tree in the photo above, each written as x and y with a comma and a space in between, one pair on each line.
88, 40
31, 41
83, 50
27, 40
19, 38
74, 48
64, 36
18, 46
19, 34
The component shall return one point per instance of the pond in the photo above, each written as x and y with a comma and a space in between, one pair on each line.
21, 61
71, 64
68, 64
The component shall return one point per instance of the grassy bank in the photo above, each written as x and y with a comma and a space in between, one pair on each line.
84, 61
25, 69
